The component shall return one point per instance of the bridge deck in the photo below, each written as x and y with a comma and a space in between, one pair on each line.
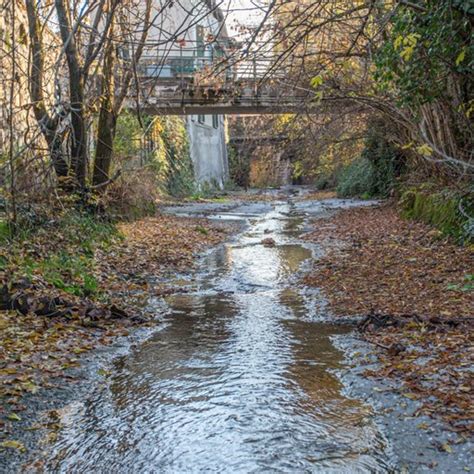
197, 85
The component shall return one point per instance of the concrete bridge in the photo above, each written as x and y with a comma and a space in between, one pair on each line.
258, 140
193, 85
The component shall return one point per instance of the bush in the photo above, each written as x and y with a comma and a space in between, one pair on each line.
325, 181
239, 167
179, 174
375, 173
357, 179
155, 160
134, 194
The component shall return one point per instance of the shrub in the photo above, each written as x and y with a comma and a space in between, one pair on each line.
239, 167
179, 175
357, 179
155, 160
375, 173
449, 211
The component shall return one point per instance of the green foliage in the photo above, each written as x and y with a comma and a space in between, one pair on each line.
65, 251
164, 149
424, 48
86, 231
127, 142
70, 273
467, 285
202, 230
387, 162
442, 210
179, 171
357, 179
323, 181
239, 167
5, 230
374, 174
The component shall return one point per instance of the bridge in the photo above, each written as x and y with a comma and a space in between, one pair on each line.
260, 140
192, 84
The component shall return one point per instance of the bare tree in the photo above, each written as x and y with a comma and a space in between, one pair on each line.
111, 102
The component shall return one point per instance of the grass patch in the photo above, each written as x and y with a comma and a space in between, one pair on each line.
71, 273
202, 230
5, 231
61, 252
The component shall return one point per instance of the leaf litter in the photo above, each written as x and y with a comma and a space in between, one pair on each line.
410, 286
46, 329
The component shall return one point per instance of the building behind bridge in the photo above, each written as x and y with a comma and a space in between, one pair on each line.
182, 47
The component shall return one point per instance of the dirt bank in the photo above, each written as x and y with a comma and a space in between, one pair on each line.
415, 290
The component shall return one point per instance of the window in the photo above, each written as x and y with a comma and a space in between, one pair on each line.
200, 41
215, 121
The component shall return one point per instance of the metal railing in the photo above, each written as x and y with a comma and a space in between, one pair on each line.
170, 67
188, 77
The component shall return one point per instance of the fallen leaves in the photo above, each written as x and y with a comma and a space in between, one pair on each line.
380, 263
11, 444
412, 286
45, 329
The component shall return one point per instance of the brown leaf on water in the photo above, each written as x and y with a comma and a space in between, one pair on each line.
12, 444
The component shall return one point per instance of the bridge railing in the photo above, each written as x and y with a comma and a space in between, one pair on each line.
188, 65
185, 77
170, 67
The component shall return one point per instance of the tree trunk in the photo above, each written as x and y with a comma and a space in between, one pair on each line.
76, 91
105, 144
111, 103
56, 150
107, 122
48, 125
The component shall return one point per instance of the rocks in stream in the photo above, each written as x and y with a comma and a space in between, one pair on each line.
268, 242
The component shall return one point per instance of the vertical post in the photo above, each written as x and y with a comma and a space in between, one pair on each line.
255, 89
181, 68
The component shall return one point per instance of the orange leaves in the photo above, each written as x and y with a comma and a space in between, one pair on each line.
378, 263
155, 245
391, 266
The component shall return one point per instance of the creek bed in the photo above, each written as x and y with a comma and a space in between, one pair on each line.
240, 379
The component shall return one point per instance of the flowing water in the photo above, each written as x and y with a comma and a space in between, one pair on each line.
240, 379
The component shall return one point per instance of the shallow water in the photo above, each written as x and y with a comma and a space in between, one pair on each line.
241, 379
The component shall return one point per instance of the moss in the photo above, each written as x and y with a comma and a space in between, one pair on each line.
439, 209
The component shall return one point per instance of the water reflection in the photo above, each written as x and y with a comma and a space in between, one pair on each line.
239, 381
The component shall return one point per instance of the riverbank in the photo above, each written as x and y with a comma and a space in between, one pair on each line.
242, 317
414, 290
73, 286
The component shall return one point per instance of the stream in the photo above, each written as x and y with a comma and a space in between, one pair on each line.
242, 376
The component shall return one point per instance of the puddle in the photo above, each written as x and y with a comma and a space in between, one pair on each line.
240, 380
